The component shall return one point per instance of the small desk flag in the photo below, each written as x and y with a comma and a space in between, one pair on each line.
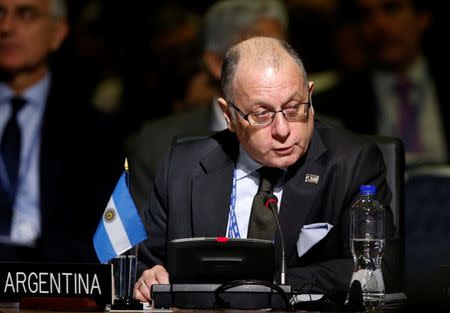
121, 226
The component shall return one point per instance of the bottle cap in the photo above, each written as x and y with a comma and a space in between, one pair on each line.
368, 189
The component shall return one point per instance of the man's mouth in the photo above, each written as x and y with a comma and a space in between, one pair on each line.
284, 150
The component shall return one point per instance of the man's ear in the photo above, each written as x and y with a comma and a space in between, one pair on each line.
311, 88
214, 63
226, 113
60, 32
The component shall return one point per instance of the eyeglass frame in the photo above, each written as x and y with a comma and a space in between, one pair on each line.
274, 113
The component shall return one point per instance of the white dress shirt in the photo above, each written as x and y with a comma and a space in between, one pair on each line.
430, 120
26, 217
247, 183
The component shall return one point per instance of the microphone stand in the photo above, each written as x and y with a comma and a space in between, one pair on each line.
271, 203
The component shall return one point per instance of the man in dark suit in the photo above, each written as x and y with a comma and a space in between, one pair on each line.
58, 160
402, 90
226, 23
267, 106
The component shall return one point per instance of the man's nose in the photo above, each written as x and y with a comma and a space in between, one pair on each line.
7, 22
280, 126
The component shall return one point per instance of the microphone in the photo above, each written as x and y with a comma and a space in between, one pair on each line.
271, 202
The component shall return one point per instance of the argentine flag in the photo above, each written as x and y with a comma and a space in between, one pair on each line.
121, 227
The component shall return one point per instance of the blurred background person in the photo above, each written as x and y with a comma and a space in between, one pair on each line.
400, 92
311, 29
225, 24
59, 159
163, 52
99, 45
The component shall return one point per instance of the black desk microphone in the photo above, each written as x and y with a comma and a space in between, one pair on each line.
271, 202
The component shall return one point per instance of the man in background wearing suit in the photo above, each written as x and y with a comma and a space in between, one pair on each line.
267, 106
402, 92
226, 23
57, 164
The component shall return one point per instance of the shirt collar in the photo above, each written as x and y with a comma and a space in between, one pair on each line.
5, 93
245, 164
35, 94
418, 71
416, 74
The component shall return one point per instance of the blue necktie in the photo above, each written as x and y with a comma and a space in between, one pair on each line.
10, 153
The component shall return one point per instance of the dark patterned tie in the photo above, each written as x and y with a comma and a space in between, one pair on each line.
262, 224
408, 117
10, 153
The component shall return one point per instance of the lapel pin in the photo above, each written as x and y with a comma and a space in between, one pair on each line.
312, 179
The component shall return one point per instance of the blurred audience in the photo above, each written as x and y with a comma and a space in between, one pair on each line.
401, 91
311, 30
163, 53
225, 24
59, 159
99, 46
385, 76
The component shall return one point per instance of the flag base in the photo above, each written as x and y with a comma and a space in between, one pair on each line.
127, 303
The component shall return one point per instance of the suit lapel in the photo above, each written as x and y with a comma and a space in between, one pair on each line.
299, 195
211, 190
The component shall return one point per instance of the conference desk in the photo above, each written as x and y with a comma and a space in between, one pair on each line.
391, 306
14, 308
9, 310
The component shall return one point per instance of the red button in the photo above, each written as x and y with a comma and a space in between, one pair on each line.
221, 239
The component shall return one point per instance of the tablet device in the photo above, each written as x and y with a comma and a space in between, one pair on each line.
218, 260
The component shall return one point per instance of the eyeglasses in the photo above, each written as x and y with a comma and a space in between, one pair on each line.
265, 117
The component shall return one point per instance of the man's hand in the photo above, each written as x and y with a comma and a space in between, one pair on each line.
156, 275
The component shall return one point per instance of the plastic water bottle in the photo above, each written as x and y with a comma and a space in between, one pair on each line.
367, 242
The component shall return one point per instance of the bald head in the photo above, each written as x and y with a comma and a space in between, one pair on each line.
257, 53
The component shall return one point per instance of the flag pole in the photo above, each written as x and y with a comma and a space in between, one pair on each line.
125, 167
124, 265
127, 302
127, 182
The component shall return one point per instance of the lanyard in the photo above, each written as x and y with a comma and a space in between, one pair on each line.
233, 228
4, 179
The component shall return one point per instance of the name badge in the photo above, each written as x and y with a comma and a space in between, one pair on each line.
312, 179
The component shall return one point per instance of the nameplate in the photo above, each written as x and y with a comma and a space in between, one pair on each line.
68, 280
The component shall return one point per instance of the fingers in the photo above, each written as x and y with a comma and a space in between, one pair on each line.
155, 275
141, 292
162, 277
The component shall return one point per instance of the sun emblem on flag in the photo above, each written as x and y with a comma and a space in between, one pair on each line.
110, 215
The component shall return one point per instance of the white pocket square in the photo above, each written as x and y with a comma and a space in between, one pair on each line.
310, 235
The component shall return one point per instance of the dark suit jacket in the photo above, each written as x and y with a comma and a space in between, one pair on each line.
80, 161
191, 198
